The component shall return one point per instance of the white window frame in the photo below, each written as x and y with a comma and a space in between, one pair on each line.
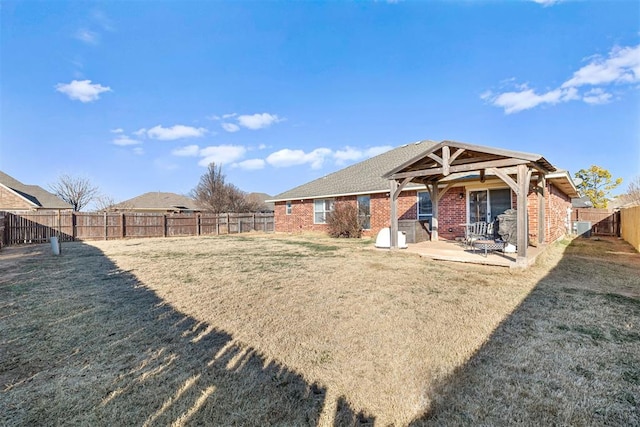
288, 208
488, 190
325, 211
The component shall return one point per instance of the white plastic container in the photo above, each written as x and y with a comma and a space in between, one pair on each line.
383, 240
55, 245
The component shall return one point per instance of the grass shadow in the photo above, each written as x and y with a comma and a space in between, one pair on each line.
84, 342
569, 354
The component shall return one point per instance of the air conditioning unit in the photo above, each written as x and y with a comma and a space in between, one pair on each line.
582, 228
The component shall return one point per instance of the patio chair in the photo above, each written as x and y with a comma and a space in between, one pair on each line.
475, 231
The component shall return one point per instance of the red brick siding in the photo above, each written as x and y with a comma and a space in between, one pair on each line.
452, 213
556, 204
11, 201
556, 213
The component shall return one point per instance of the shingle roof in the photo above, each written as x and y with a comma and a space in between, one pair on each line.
360, 178
158, 200
38, 196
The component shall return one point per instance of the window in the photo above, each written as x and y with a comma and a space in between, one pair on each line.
425, 208
486, 205
289, 208
321, 208
364, 211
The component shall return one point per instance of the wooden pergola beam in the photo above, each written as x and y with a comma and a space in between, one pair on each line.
461, 168
521, 216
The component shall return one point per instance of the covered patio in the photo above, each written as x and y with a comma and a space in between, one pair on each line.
455, 251
448, 163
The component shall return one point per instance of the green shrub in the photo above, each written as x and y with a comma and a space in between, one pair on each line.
343, 221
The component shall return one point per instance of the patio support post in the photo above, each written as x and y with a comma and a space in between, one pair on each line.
434, 205
542, 198
393, 198
522, 226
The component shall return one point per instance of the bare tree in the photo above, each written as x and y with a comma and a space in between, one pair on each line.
104, 203
214, 194
632, 196
76, 191
211, 191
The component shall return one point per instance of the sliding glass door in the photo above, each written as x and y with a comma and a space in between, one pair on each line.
486, 205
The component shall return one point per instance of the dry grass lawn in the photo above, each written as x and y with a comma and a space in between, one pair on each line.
305, 330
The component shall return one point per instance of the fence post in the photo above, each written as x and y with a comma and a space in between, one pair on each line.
197, 224
164, 225
105, 225
122, 232
74, 232
228, 225
217, 224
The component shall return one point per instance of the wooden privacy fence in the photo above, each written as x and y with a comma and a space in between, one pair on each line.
630, 219
37, 227
603, 221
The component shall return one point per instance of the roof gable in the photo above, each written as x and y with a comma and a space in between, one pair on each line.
448, 157
372, 175
35, 195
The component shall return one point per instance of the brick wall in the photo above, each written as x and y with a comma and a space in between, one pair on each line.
556, 213
11, 201
301, 218
453, 212
556, 204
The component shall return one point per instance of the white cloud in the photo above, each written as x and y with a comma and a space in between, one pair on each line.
229, 115
622, 66
140, 132
103, 20
187, 151
512, 102
221, 154
230, 127
350, 154
117, 130
87, 36
262, 146
287, 157
124, 140
174, 132
547, 2
250, 164
82, 90
597, 96
138, 151
258, 121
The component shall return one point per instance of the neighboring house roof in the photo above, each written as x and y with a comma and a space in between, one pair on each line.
36, 196
157, 200
369, 176
581, 202
361, 178
262, 198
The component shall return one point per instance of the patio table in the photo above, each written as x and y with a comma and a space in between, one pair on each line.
488, 245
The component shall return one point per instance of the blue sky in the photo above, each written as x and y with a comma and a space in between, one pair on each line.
140, 96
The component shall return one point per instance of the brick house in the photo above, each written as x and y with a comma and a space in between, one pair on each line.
16, 196
474, 189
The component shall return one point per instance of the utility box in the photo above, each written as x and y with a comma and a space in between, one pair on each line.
582, 228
